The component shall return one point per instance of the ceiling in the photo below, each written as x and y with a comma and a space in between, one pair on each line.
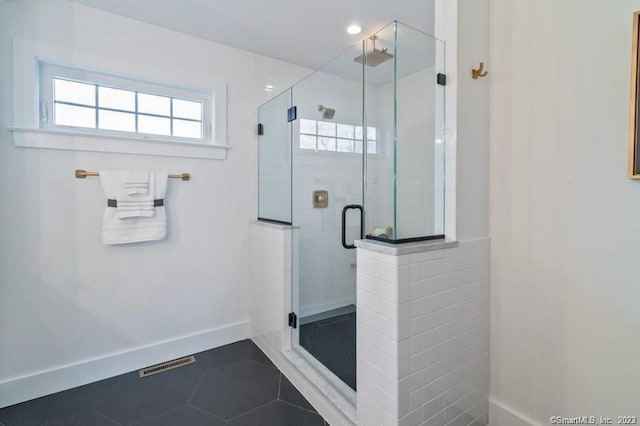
304, 32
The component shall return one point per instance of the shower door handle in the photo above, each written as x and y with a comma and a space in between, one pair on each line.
344, 224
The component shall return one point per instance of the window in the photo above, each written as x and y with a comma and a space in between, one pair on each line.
76, 98
329, 136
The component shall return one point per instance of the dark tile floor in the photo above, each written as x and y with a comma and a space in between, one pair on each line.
231, 385
332, 341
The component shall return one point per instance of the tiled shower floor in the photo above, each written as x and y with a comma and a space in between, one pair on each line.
231, 385
331, 339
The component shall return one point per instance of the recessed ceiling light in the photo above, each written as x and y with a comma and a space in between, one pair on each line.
354, 29
269, 87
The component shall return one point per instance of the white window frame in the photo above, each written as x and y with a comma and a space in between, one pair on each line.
365, 139
27, 132
47, 71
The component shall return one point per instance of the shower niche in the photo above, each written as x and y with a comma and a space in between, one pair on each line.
367, 129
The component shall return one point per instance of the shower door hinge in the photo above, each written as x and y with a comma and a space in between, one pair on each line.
293, 320
260, 129
441, 79
292, 113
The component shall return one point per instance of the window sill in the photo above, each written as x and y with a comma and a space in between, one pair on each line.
113, 143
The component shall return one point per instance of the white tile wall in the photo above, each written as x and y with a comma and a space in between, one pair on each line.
423, 336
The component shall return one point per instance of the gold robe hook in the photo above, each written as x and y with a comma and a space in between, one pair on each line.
479, 72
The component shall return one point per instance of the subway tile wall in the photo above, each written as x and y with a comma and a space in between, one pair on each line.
423, 336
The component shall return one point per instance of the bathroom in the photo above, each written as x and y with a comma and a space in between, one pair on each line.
535, 194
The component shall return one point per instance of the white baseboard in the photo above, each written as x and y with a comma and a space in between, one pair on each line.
65, 377
502, 415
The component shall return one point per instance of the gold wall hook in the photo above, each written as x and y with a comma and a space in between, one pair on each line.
479, 72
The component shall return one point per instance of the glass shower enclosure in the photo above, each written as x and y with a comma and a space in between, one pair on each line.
353, 151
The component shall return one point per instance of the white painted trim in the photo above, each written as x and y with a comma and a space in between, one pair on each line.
82, 141
27, 133
502, 415
64, 377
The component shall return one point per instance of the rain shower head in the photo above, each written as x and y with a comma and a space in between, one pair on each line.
327, 113
374, 57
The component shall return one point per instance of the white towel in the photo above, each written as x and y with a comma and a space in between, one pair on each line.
138, 205
133, 229
136, 181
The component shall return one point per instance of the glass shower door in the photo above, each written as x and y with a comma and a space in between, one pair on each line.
274, 160
328, 214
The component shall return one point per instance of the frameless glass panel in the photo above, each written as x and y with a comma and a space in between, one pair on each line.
307, 142
77, 116
187, 129
121, 121
326, 129
187, 109
345, 145
325, 181
346, 131
116, 99
154, 125
405, 135
274, 159
152, 104
326, 144
308, 126
416, 98
379, 107
74, 92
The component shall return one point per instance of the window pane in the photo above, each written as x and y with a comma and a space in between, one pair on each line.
346, 131
307, 142
116, 99
187, 109
326, 128
187, 129
152, 104
74, 92
307, 126
345, 145
154, 125
358, 133
122, 121
326, 144
371, 133
358, 147
372, 147
68, 115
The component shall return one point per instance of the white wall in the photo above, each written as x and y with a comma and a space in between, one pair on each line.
564, 216
66, 300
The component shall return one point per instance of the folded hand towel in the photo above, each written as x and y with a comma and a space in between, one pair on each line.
138, 205
136, 181
133, 229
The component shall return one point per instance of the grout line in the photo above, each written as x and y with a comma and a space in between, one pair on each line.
253, 409
279, 385
302, 408
205, 412
107, 417
195, 388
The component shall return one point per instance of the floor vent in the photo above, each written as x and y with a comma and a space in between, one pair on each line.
167, 366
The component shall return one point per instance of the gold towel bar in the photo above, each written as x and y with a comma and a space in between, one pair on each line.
82, 174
